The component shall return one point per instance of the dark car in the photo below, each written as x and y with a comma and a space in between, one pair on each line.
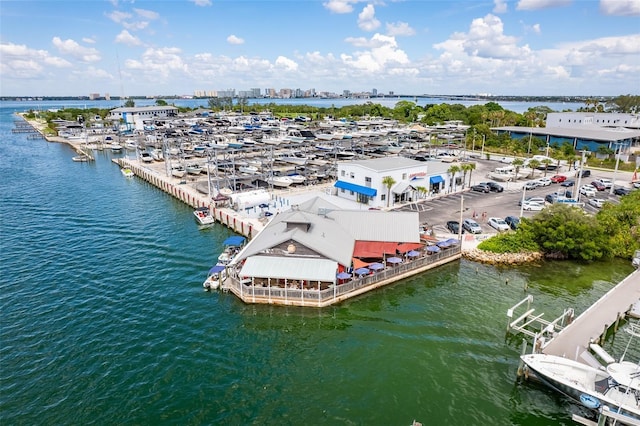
568, 183
454, 227
493, 186
621, 191
481, 187
512, 221
585, 173
599, 186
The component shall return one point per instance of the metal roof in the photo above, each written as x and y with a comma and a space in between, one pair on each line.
595, 133
290, 268
385, 164
401, 227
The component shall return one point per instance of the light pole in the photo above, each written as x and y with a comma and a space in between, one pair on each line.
524, 191
615, 171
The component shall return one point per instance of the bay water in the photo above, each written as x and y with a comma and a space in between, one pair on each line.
103, 320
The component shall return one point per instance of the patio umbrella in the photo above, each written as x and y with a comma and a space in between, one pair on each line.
433, 249
343, 276
443, 244
413, 253
394, 260
376, 266
362, 271
453, 241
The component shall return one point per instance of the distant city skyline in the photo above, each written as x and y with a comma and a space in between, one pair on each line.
500, 47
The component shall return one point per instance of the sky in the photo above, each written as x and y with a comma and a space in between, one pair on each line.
414, 47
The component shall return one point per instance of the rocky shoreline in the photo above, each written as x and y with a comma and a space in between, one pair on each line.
482, 256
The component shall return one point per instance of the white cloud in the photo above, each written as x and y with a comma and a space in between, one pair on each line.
72, 48
118, 16
620, 7
383, 53
202, 2
136, 25
367, 20
339, 6
541, 4
88, 40
147, 14
399, 29
125, 37
22, 62
536, 28
286, 63
486, 38
232, 39
499, 6
159, 64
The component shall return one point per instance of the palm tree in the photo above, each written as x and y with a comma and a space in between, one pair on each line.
517, 163
421, 190
388, 181
533, 164
546, 163
452, 171
467, 168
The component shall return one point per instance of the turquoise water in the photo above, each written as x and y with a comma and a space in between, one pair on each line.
104, 321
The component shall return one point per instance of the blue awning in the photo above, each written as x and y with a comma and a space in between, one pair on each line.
236, 240
436, 179
371, 192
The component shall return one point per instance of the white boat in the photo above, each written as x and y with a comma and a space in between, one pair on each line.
617, 386
116, 147
297, 178
194, 169
251, 170
203, 216
131, 145
146, 157
280, 181
215, 277
126, 172
298, 160
178, 171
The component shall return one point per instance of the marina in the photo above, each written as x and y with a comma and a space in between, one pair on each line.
418, 343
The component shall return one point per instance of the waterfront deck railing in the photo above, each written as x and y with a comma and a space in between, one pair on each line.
249, 292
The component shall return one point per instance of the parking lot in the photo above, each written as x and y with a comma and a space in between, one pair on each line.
435, 212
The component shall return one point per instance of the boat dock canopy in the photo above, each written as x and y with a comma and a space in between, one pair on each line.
236, 240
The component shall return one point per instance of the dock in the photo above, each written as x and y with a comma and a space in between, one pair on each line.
571, 337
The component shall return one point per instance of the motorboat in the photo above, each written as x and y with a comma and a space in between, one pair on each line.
248, 169
178, 171
115, 147
215, 277
232, 246
203, 216
127, 172
146, 157
82, 158
616, 386
280, 181
194, 169
297, 178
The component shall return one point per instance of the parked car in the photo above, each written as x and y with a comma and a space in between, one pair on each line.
544, 181
512, 221
481, 187
498, 224
558, 178
598, 185
588, 190
472, 226
532, 206
533, 199
532, 184
636, 185
568, 183
621, 191
607, 183
596, 202
493, 186
585, 173
454, 227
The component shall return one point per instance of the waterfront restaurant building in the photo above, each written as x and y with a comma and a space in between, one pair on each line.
362, 180
316, 254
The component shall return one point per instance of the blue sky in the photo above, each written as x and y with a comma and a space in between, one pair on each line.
500, 47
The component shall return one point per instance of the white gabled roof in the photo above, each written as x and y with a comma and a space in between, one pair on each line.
385, 164
290, 268
402, 227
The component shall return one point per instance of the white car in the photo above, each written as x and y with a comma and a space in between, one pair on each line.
608, 183
544, 181
532, 184
636, 185
532, 206
588, 190
498, 224
596, 202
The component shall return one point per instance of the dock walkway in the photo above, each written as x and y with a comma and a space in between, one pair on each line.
575, 338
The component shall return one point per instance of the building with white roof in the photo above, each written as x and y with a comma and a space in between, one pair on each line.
362, 180
141, 118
